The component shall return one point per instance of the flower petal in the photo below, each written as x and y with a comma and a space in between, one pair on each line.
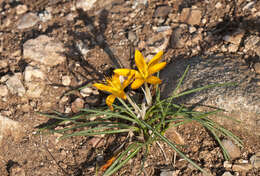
103, 87
155, 68
155, 59
140, 62
137, 83
129, 79
154, 80
110, 100
122, 71
115, 81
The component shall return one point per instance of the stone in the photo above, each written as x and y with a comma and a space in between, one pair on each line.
86, 91
66, 80
21, 9
235, 38
218, 5
15, 85
85, 4
27, 20
255, 160
35, 89
3, 63
45, 16
159, 41
233, 151
257, 67
45, 50
170, 173
17, 170
191, 16
77, 105
173, 135
192, 29
162, 11
227, 165
241, 167
10, 128
131, 36
227, 174
178, 40
240, 102
30, 73
3, 91
252, 43
161, 28
232, 48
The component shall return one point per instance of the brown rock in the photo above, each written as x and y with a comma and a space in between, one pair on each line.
255, 160
162, 11
45, 50
235, 38
10, 128
28, 20
172, 134
77, 105
17, 170
242, 167
257, 68
191, 16
232, 149
178, 38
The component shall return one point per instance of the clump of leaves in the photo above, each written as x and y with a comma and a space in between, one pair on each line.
147, 120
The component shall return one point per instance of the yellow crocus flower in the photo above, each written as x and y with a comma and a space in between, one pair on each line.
145, 70
115, 87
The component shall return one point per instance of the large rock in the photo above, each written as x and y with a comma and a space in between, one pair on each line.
191, 16
28, 20
45, 50
15, 85
10, 128
85, 4
240, 102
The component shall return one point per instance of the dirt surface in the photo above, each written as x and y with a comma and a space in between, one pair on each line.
96, 41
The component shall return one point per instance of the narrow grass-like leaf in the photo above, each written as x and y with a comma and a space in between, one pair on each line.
173, 146
124, 153
130, 156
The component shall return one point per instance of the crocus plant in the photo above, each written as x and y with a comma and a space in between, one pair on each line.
144, 75
147, 120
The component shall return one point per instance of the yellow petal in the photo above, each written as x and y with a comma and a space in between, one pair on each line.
110, 100
103, 87
153, 80
140, 62
137, 83
116, 83
155, 68
129, 79
155, 59
122, 71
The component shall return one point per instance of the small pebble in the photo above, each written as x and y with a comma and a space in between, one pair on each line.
77, 105
227, 165
232, 149
28, 20
192, 29
66, 80
242, 167
227, 174
86, 91
3, 90
255, 160
21, 9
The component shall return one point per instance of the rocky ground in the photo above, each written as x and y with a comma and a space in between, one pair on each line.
50, 47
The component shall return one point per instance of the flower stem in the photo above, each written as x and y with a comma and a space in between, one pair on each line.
148, 95
133, 104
